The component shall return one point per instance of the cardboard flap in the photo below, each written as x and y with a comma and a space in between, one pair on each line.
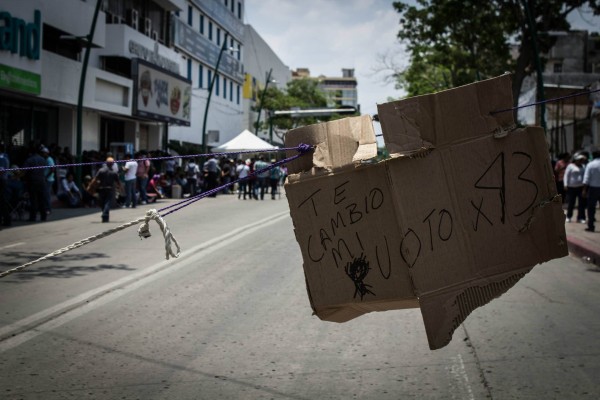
447, 117
338, 143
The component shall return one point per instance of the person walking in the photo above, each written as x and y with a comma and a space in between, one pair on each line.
105, 181
211, 171
573, 181
130, 169
49, 173
591, 188
143, 169
35, 183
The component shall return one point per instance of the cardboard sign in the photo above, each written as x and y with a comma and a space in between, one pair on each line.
464, 209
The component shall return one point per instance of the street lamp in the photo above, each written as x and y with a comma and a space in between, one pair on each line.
262, 99
210, 90
86, 59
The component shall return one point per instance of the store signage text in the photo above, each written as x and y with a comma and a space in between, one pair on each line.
152, 56
20, 37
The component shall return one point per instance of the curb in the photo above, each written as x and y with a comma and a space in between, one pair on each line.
581, 249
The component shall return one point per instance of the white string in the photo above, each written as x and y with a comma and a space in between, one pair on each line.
143, 231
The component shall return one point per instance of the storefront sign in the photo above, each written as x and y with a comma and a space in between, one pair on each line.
17, 79
206, 51
159, 94
18, 36
152, 56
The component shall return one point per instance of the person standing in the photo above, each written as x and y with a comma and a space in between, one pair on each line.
573, 181
242, 170
4, 191
275, 176
192, 171
130, 169
49, 173
105, 181
143, 169
35, 183
262, 176
211, 171
591, 188
559, 173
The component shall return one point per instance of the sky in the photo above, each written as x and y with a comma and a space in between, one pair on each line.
328, 35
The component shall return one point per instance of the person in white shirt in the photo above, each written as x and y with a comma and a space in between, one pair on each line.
242, 170
130, 169
591, 182
68, 192
573, 181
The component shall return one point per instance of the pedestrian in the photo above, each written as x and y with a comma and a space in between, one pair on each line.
591, 188
225, 175
49, 173
4, 189
35, 184
242, 171
275, 176
262, 177
211, 172
192, 171
68, 192
104, 182
559, 174
130, 169
143, 169
573, 181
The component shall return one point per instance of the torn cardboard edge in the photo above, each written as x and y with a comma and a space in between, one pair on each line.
449, 222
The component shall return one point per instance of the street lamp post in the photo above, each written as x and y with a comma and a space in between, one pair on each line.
86, 59
210, 90
262, 99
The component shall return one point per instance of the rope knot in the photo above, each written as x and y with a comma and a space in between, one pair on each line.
144, 232
304, 148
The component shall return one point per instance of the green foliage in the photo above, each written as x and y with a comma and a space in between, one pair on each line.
455, 42
299, 93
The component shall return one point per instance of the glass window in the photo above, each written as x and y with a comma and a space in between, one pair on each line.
218, 36
239, 10
217, 84
238, 94
190, 15
239, 52
200, 75
231, 90
224, 88
209, 78
189, 68
210, 29
201, 24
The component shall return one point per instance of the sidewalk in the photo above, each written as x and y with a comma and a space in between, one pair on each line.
583, 244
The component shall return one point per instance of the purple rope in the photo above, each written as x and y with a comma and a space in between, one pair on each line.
302, 149
157, 158
545, 101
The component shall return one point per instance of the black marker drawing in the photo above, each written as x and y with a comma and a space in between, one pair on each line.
357, 270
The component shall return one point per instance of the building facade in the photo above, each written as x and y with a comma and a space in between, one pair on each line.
133, 89
341, 91
263, 69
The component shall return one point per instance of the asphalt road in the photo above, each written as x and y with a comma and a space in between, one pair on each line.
230, 319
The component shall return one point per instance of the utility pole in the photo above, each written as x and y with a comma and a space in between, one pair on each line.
262, 99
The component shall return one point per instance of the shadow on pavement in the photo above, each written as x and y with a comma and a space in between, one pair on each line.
57, 269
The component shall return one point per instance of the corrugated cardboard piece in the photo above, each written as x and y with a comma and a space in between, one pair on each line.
446, 230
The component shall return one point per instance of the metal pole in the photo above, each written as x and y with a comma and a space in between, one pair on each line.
210, 89
262, 98
86, 59
538, 64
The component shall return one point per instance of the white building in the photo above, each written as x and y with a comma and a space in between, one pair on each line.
259, 61
41, 53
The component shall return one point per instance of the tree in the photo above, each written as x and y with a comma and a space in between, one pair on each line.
299, 93
455, 42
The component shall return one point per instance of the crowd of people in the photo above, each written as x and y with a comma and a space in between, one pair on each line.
578, 182
140, 178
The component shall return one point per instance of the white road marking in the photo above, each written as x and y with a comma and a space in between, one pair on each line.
8, 246
457, 369
28, 328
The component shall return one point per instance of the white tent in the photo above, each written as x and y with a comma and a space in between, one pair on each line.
243, 142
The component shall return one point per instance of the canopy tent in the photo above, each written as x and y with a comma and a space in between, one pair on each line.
243, 142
